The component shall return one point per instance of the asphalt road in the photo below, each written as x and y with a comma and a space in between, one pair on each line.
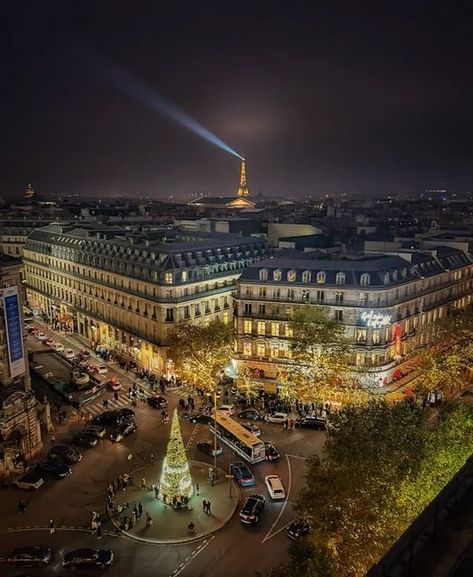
233, 551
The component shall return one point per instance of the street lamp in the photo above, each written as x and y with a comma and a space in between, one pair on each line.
215, 432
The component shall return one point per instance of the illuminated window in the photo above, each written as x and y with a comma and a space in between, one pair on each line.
277, 275
260, 349
289, 331
275, 329
321, 277
274, 351
247, 348
376, 337
184, 276
247, 327
291, 276
226, 318
261, 327
168, 277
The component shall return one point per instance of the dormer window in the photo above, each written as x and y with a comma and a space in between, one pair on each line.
277, 275
386, 278
365, 279
184, 276
168, 277
340, 278
291, 276
263, 274
395, 275
306, 276
404, 272
321, 277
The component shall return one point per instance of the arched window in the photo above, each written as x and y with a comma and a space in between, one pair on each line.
321, 277
386, 278
306, 276
263, 274
291, 275
277, 275
365, 279
394, 275
340, 278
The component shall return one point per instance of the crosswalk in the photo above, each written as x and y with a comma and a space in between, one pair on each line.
98, 407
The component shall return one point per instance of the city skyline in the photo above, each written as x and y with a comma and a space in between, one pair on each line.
317, 98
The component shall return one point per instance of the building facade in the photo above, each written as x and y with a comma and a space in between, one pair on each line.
382, 302
124, 290
20, 432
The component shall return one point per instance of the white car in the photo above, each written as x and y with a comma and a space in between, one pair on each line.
58, 347
41, 336
275, 417
29, 481
275, 487
101, 369
69, 353
227, 409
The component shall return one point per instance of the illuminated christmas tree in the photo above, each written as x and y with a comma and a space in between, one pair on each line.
176, 478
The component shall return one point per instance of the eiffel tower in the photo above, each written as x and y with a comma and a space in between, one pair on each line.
243, 188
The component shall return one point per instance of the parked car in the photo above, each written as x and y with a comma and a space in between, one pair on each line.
82, 439
84, 353
310, 422
55, 468
35, 555
252, 509
298, 528
113, 385
41, 336
200, 418
49, 342
97, 431
227, 409
275, 487
207, 446
29, 481
242, 474
82, 558
32, 330
65, 453
271, 452
100, 369
69, 353
80, 379
122, 431
58, 347
125, 415
254, 429
157, 402
275, 417
253, 414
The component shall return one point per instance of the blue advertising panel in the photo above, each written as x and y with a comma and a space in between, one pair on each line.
14, 330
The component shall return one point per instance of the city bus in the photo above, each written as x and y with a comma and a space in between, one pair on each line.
238, 438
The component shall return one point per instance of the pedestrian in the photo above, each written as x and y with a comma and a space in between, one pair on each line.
197, 489
115, 395
140, 509
156, 492
209, 512
52, 528
134, 516
135, 512
149, 521
99, 530
143, 484
204, 506
21, 506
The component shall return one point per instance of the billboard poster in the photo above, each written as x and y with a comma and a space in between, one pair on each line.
14, 330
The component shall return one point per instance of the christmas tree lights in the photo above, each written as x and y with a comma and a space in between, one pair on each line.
176, 481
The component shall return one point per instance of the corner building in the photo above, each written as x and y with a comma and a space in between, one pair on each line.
382, 302
124, 290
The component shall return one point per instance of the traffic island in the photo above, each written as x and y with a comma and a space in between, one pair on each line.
170, 524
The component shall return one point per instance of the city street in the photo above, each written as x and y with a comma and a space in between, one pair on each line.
235, 550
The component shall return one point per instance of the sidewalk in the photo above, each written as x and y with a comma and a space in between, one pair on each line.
170, 525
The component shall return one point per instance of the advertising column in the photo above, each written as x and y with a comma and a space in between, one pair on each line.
14, 331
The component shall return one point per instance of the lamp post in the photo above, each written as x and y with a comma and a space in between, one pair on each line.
215, 431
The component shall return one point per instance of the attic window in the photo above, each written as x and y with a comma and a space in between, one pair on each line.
263, 274
340, 278
365, 279
321, 277
277, 275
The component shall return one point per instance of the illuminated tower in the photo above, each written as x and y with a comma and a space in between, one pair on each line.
243, 188
29, 193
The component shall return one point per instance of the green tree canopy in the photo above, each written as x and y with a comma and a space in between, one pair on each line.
200, 351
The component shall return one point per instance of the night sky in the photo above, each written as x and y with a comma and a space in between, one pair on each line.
357, 97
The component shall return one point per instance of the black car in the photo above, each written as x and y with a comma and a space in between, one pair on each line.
271, 452
121, 431
83, 439
252, 509
250, 414
297, 529
200, 418
208, 447
99, 558
29, 556
125, 415
318, 423
55, 468
65, 453
107, 419
157, 402
97, 431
